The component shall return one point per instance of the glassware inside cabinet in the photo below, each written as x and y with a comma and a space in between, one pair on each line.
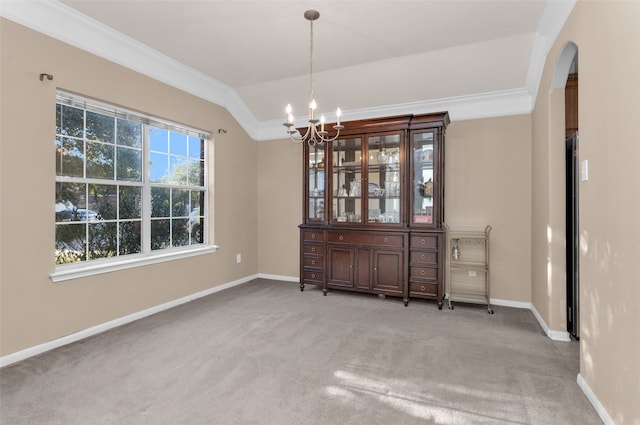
423, 178
384, 179
316, 182
347, 187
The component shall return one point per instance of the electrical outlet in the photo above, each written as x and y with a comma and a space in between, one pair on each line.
472, 273
238, 258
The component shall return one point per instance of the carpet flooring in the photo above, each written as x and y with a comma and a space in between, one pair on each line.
266, 353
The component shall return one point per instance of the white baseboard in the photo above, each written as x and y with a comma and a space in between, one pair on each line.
554, 335
594, 401
509, 303
94, 330
278, 277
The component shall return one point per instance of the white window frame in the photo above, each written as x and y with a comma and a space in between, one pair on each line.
147, 256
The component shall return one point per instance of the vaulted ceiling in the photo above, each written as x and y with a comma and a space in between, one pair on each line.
474, 58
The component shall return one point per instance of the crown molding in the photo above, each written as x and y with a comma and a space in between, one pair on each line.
460, 108
64, 23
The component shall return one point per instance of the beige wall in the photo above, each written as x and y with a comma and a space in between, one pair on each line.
548, 213
33, 310
488, 181
279, 207
607, 35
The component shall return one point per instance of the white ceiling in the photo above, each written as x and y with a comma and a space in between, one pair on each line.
474, 58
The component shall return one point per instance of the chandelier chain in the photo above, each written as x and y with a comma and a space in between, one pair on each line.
311, 63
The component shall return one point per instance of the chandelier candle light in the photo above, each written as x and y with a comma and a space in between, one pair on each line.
312, 135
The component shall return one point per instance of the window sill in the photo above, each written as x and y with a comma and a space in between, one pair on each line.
75, 271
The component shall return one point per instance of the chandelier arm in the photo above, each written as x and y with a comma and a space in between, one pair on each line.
301, 138
332, 138
296, 139
316, 137
292, 134
309, 132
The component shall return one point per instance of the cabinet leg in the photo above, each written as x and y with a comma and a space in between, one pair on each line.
324, 292
439, 305
301, 287
406, 302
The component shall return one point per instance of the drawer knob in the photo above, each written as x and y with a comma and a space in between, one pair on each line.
341, 237
313, 262
423, 256
423, 241
313, 236
422, 272
422, 288
313, 275
313, 249
386, 240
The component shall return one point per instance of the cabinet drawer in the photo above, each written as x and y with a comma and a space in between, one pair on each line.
423, 273
421, 288
424, 257
309, 249
313, 262
424, 241
312, 236
314, 276
366, 239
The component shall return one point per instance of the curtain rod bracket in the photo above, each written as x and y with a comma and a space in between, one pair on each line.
48, 76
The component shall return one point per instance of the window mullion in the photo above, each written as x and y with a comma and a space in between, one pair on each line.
146, 192
205, 186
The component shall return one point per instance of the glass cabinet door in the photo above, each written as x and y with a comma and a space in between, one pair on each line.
316, 179
346, 184
383, 179
423, 178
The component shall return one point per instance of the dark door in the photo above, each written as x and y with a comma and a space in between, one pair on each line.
388, 273
340, 267
572, 235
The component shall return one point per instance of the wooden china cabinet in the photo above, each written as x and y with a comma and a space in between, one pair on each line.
373, 209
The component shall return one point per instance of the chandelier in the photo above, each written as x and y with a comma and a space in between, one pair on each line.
313, 135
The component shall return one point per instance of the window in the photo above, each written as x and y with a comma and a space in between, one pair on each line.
126, 184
